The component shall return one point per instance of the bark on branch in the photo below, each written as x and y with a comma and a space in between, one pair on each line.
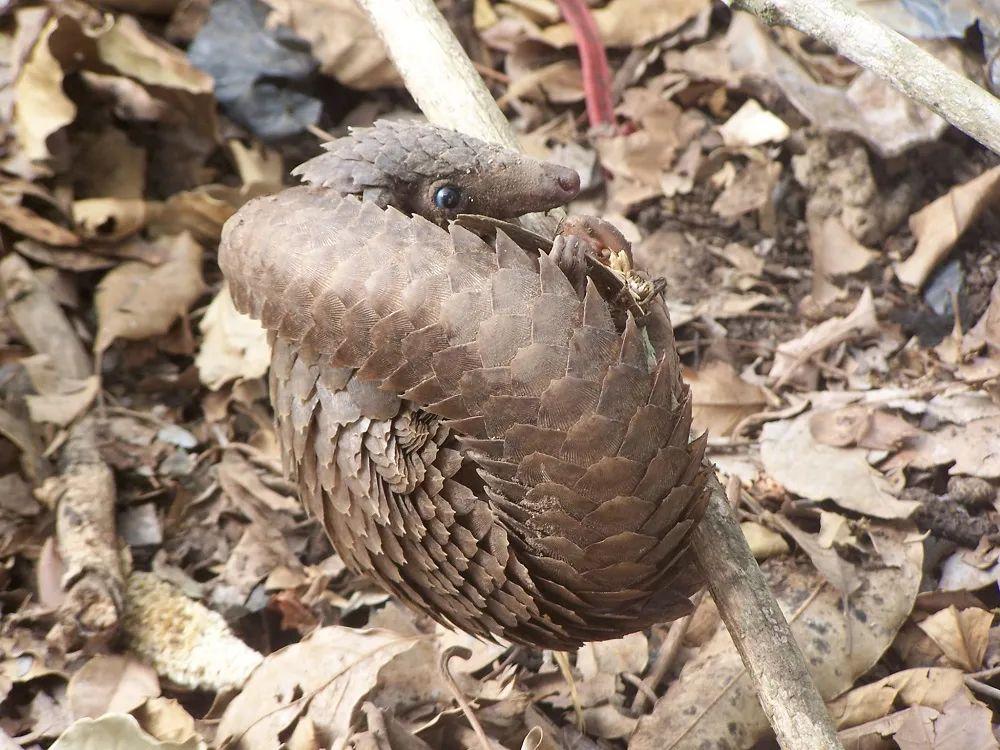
916, 73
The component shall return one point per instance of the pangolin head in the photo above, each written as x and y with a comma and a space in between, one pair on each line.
438, 173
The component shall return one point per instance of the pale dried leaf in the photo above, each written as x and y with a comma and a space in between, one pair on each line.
631, 23
939, 225
764, 542
117, 732
111, 684
721, 398
752, 125
332, 669
136, 300
961, 634
713, 702
821, 472
233, 346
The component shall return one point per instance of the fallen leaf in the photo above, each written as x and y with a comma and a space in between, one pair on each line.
925, 686
41, 107
136, 301
861, 426
752, 125
963, 724
110, 684
631, 23
233, 345
116, 732
763, 542
961, 634
972, 448
939, 225
341, 38
818, 472
721, 398
792, 355
332, 669
713, 703
628, 654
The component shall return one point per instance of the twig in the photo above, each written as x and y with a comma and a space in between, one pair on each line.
916, 73
429, 57
593, 61
84, 495
462, 653
664, 659
770, 654
982, 688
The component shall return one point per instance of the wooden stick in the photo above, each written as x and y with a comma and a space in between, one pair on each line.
444, 83
916, 73
770, 654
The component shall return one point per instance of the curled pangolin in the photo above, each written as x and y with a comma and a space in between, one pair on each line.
488, 431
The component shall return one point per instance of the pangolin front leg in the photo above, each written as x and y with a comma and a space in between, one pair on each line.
475, 426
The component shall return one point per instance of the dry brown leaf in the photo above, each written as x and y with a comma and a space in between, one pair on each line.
939, 225
763, 542
322, 679
721, 398
24, 221
820, 472
41, 108
713, 704
861, 426
108, 165
961, 634
608, 722
342, 40
986, 331
62, 407
631, 23
752, 125
752, 190
628, 654
166, 719
111, 684
117, 732
233, 345
963, 724
835, 252
127, 48
973, 448
931, 687
110, 219
136, 300
793, 355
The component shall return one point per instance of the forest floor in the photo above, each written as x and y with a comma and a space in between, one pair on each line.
831, 252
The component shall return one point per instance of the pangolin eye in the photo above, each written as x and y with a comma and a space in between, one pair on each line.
447, 197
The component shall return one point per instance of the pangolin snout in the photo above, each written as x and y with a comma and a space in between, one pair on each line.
567, 179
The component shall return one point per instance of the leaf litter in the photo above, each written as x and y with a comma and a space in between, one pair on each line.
831, 256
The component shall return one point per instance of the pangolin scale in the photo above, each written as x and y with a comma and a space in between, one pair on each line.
471, 422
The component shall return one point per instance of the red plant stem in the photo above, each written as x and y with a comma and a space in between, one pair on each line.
593, 60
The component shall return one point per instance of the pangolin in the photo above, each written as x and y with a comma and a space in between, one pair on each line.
491, 432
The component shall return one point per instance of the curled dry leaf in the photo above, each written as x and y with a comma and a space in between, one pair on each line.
137, 301
939, 225
117, 732
815, 471
713, 703
322, 679
961, 634
972, 449
962, 724
752, 125
233, 346
722, 399
111, 684
931, 687
763, 542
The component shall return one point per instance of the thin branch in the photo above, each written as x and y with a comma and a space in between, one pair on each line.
916, 73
